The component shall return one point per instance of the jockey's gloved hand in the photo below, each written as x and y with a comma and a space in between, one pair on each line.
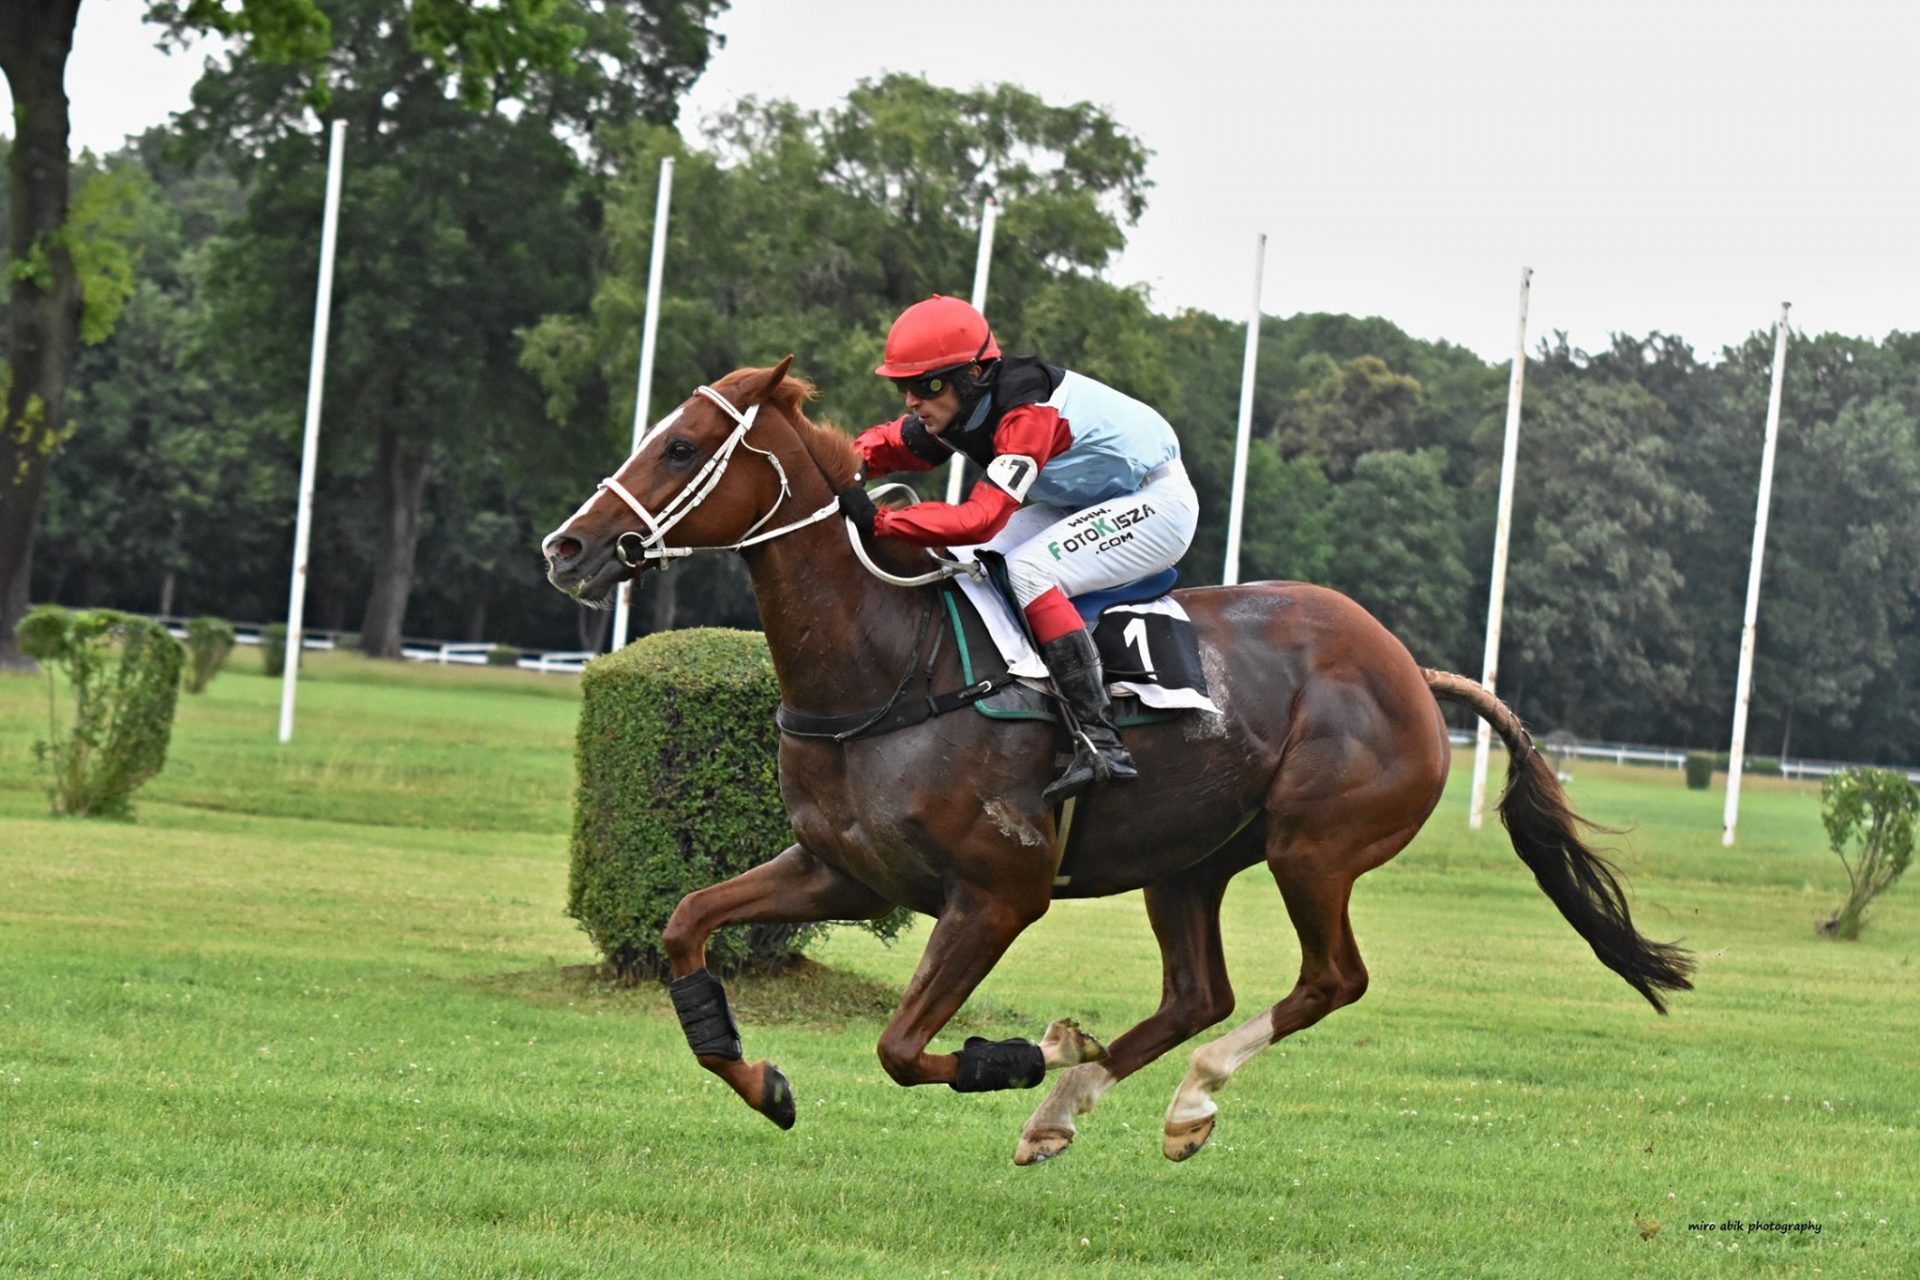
856, 506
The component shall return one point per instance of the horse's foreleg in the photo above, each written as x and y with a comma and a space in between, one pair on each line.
973, 932
792, 888
1194, 994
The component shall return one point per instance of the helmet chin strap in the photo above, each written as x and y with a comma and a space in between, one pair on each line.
976, 408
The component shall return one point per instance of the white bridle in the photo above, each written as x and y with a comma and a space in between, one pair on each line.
696, 491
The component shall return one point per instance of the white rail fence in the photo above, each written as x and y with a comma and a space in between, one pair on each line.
1671, 758
444, 652
572, 661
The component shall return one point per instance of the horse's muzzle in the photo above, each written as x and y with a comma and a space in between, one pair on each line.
588, 574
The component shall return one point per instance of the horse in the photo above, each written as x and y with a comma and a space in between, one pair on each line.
1327, 754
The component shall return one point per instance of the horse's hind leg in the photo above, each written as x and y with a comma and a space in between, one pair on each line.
1316, 881
793, 887
1194, 995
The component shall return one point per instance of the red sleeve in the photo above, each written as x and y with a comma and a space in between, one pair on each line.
1036, 432
883, 452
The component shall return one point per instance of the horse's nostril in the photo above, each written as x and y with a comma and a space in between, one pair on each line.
564, 548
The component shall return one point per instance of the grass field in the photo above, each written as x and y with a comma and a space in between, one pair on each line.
318, 1012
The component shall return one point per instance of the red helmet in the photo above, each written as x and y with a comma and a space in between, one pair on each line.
940, 333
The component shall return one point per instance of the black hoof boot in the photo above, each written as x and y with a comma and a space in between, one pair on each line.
776, 1098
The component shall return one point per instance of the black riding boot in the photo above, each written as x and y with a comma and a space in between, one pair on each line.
1098, 753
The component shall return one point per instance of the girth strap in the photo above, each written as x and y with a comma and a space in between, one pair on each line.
878, 720
899, 711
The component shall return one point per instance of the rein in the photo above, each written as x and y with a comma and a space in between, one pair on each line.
631, 548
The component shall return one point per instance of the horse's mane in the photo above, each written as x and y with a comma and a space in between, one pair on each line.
830, 448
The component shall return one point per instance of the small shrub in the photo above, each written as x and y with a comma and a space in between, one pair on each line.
273, 648
347, 641
503, 656
1871, 812
1751, 766
676, 753
1699, 770
125, 676
209, 641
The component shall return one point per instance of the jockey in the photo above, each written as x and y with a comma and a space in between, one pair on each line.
1084, 490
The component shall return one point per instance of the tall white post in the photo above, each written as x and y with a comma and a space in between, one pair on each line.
1743, 689
1230, 572
1502, 527
310, 445
988, 217
643, 392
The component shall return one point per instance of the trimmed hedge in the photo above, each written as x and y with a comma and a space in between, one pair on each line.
124, 674
273, 649
676, 753
1699, 770
1752, 766
209, 641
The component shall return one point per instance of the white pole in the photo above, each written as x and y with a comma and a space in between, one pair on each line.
1230, 573
310, 446
988, 217
1743, 689
643, 392
1502, 527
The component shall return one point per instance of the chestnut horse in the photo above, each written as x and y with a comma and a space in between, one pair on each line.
1326, 756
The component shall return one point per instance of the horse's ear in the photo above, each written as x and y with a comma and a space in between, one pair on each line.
764, 383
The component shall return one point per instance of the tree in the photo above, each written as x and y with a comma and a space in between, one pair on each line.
1592, 631
1842, 567
173, 473
49, 252
459, 227
1358, 407
814, 229
1397, 549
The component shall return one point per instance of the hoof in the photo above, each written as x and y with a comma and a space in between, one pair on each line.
1037, 1146
1066, 1045
1181, 1141
776, 1096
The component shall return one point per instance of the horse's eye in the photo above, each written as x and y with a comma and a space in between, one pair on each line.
680, 451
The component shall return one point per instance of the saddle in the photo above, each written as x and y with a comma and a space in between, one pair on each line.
1146, 643
1145, 639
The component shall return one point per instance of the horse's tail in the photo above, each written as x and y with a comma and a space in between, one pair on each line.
1546, 834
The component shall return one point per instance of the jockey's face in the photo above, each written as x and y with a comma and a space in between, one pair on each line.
939, 411
935, 411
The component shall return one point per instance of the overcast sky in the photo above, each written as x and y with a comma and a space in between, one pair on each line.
1672, 165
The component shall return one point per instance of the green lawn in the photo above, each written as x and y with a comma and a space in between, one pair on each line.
312, 1014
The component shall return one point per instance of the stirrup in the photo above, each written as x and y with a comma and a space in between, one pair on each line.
1086, 768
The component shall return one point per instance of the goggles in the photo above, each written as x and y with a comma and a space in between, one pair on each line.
927, 385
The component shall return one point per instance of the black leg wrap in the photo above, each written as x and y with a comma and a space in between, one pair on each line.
998, 1064
701, 1002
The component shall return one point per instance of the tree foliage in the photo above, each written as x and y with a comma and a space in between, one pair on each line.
459, 227
487, 319
66, 272
1592, 591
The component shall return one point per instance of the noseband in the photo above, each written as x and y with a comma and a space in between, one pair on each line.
632, 548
